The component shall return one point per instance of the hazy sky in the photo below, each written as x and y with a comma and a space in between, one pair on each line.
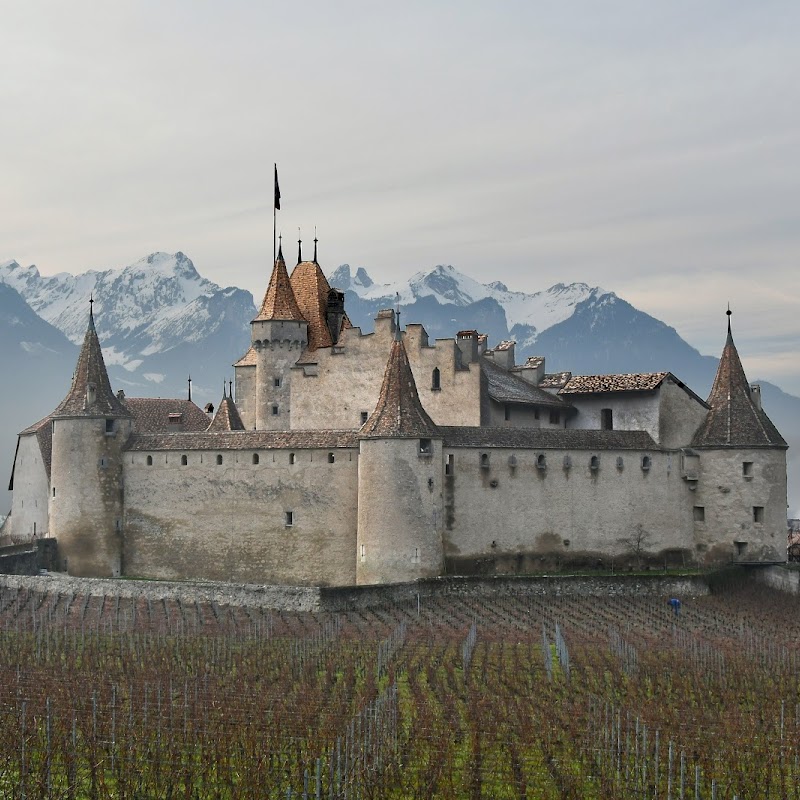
647, 147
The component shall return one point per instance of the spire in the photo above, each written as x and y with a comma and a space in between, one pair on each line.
399, 412
315, 245
734, 419
279, 301
227, 417
90, 393
190, 388
299, 247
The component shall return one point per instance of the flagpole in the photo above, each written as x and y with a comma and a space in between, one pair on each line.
274, 222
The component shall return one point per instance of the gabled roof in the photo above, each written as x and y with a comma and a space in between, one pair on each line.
248, 359
600, 384
227, 417
43, 430
90, 369
311, 289
399, 412
506, 387
279, 300
159, 415
734, 420
547, 438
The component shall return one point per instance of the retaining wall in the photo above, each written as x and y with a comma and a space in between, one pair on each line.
786, 579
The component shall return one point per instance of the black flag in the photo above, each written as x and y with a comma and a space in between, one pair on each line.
277, 190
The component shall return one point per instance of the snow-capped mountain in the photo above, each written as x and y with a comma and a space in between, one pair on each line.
158, 319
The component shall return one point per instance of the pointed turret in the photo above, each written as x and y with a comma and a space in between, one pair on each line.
227, 417
399, 412
734, 420
90, 393
322, 306
279, 301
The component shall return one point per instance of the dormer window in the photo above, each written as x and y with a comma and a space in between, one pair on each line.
176, 418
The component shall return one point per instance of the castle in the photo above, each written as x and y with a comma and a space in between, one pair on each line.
349, 458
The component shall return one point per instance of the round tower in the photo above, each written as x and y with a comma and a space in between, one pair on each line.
279, 335
400, 479
89, 429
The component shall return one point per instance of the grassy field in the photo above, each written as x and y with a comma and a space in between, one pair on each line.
551, 697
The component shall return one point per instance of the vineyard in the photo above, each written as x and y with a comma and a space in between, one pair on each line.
534, 697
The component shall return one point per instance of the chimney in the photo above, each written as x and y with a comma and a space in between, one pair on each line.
467, 342
384, 323
755, 395
91, 395
532, 370
504, 354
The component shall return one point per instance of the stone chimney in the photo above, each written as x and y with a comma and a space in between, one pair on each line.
532, 370
467, 342
755, 394
504, 354
384, 324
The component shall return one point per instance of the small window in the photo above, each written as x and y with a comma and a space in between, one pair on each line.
255, 458
364, 416
425, 447
699, 514
507, 412
274, 411
363, 553
54, 491
541, 461
567, 462
747, 469
109, 426
331, 458
448, 467
288, 518
219, 459
292, 458
758, 513
484, 461
415, 557
184, 461
276, 382
620, 462
555, 416
436, 380
741, 548
647, 462
149, 461
594, 463
536, 413
606, 419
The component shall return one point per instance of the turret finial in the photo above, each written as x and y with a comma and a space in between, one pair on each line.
91, 311
224, 384
299, 247
230, 389
315, 245
280, 247
729, 313
190, 388
397, 334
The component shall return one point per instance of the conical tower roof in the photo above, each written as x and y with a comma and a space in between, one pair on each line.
734, 419
227, 417
311, 289
399, 412
90, 373
279, 300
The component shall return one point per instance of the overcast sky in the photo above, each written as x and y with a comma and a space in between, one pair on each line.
650, 148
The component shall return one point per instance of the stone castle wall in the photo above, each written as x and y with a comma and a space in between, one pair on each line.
228, 521
29, 502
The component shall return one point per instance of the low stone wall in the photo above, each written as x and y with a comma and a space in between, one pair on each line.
315, 599
786, 579
28, 558
344, 598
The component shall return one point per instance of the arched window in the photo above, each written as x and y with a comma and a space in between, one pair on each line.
541, 461
436, 380
255, 458
594, 463
331, 458
149, 461
647, 462
184, 461
484, 461
219, 459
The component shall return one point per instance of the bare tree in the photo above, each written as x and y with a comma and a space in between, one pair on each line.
637, 543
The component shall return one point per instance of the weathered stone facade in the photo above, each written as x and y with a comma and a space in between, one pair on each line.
382, 458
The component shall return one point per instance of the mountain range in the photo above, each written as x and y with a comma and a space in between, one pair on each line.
160, 321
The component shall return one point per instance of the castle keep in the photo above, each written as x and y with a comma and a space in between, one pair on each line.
349, 458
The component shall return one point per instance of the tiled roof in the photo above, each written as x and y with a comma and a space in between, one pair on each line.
152, 415
399, 412
506, 344
554, 380
734, 420
243, 440
311, 289
598, 384
506, 387
91, 369
535, 362
248, 359
279, 300
547, 438
227, 417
